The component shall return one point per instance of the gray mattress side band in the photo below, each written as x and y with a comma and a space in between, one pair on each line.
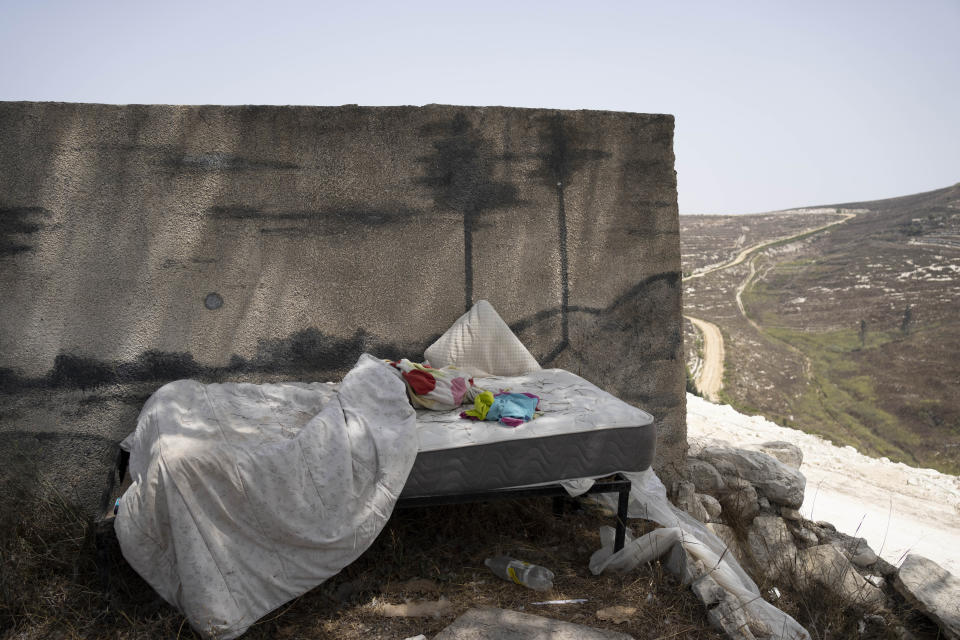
512, 463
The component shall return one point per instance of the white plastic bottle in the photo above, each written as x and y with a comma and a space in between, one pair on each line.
523, 573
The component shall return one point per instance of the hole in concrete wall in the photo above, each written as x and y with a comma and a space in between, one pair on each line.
213, 301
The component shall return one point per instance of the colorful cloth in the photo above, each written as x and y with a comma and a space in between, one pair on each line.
513, 409
436, 389
510, 409
481, 406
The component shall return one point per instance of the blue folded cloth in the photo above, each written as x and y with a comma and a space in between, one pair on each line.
515, 406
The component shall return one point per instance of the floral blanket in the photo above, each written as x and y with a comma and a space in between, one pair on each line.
435, 389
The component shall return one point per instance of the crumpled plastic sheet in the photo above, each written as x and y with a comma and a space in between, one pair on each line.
704, 556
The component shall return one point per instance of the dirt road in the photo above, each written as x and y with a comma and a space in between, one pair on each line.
763, 245
710, 379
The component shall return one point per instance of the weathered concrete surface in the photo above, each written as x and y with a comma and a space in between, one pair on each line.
503, 624
141, 244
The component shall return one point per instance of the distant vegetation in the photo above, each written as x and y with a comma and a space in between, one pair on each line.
851, 333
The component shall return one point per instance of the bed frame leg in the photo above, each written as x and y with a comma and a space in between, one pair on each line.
622, 504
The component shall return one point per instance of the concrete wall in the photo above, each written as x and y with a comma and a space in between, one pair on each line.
141, 244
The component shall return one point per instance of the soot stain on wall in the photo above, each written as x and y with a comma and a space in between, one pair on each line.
175, 158
15, 224
302, 350
316, 222
218, 161
635, 175
562, 155
460, 175
628, 313
305, 352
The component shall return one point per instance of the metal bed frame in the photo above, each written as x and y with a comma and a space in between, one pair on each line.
618, 484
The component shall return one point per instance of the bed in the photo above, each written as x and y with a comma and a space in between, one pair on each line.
244, 496
584, 432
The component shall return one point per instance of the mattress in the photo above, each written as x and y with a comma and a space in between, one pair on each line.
583, 432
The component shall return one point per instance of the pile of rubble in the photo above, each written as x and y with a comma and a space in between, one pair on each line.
750, 498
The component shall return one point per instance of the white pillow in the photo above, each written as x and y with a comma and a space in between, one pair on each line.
481, 344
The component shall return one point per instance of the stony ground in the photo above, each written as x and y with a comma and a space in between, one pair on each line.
432, 557
897, 508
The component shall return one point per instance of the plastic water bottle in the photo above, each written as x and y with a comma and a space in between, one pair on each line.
523, 573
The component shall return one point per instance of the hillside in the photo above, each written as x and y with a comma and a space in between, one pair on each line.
852, 332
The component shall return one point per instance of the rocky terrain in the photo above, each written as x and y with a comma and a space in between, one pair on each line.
851, 332
799, 514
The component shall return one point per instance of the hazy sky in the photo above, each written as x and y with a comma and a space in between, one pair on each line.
778, 103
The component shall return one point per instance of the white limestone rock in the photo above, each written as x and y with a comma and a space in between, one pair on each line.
790, 514
786, 452
729, 538
711, 505
740, 501
771, 547
688, 501
704, 476
825, 566
775, 480
933, 589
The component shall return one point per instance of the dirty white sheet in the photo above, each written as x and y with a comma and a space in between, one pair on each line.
696, 554
246, 496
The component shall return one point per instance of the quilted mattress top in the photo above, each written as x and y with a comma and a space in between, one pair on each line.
569, 405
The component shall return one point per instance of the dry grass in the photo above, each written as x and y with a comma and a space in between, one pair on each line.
823, 608
52, 585
51, 588
830, 615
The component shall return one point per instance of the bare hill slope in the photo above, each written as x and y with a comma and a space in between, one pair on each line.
851, 332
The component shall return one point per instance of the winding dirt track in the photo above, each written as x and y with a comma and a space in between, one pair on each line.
710, 378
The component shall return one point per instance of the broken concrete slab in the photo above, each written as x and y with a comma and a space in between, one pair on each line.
503, 624
933, 589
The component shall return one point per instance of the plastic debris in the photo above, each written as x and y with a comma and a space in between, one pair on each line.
520, 572
568, 601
